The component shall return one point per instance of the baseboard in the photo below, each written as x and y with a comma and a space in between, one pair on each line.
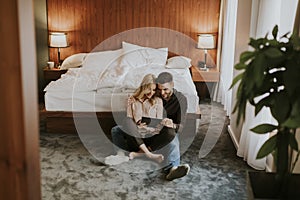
233, 138
236, 145
268, 169
269, 163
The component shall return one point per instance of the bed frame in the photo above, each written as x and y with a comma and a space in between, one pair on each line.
63, 122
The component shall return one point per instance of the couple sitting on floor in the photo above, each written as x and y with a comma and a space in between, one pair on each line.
155, 114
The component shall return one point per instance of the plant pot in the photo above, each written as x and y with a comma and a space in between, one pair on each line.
263, 185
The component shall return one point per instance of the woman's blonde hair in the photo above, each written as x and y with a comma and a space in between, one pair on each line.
144, 87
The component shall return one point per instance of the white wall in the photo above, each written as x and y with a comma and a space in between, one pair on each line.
242, 38
253, 23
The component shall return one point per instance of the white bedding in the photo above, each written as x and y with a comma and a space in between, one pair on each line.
105, 81
73, 93
84, 101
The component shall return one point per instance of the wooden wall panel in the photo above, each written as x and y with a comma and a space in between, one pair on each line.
19, 160
12, 157
89, 22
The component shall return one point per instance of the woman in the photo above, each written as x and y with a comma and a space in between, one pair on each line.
143, 104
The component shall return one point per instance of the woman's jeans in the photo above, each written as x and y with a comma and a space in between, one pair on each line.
170, 151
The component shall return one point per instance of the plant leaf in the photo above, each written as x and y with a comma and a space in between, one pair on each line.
291, 75
275, 31
258, 108
285, 35
246, 56
293, 121
273, 53
263, 128
266, 36
279, 111
236, 79
256, 43
260, 105
268, 147
240, 66
259, 65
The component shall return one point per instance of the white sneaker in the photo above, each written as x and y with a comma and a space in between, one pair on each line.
178, 172
116, 159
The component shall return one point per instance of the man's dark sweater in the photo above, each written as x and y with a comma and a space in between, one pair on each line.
175, 108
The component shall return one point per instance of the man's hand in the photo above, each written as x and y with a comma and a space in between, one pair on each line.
167, 122
142, 125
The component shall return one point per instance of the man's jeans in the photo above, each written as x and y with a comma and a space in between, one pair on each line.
171, 151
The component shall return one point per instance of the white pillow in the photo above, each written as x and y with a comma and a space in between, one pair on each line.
72, 61
178, 62
136, 56
134, 76
102, 60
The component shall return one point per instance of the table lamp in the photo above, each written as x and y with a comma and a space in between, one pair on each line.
205, 42
58, 40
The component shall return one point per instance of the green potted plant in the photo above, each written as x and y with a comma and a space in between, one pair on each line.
270, 78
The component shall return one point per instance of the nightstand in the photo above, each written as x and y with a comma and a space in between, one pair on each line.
204, 81
212, 75
53, 74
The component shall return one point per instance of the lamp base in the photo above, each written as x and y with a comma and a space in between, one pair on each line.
204, 69
202, 66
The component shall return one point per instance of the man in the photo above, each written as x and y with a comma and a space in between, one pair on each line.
175, 106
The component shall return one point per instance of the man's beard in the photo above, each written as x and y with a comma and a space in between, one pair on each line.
167, 96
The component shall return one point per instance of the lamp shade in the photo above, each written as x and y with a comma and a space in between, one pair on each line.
58, 40
206, 41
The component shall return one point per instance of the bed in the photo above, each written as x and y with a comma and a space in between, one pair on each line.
92, 96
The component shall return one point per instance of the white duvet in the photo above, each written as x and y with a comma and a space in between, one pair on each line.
117, 78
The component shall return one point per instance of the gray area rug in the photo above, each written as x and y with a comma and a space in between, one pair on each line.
70, 172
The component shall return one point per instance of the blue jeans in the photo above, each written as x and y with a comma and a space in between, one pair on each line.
171, 154
171, 151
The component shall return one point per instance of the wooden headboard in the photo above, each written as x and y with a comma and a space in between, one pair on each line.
91, 22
